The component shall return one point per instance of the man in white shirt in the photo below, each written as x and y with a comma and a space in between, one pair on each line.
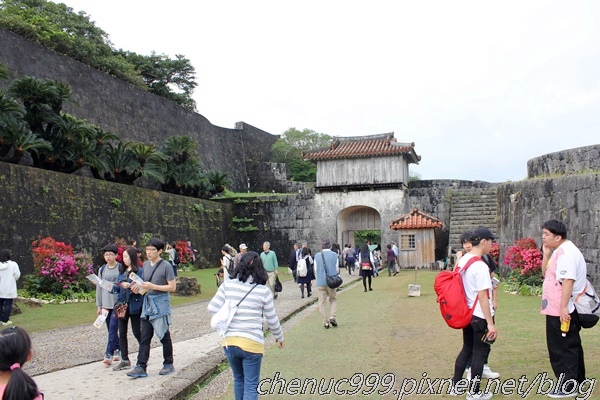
481, 332
564, 271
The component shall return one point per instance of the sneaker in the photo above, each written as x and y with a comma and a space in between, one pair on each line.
8, 323
333, 322
116, 356
559, 394
488, 373
107, 360
124, 364
167, 369
479, 396
326, 326
137, 372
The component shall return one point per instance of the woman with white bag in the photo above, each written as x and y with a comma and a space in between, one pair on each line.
243, 337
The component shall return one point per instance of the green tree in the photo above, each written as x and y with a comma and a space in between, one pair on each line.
289, 147
173, 79
58, 27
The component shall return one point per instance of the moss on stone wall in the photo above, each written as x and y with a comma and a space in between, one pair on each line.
89, 213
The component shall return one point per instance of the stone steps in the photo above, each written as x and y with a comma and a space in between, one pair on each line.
470, 209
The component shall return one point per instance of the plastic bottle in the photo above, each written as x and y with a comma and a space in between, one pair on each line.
564, 327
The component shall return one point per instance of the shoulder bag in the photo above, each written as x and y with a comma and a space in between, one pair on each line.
333, 281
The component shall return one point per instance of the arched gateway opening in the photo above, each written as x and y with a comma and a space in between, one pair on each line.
355, 219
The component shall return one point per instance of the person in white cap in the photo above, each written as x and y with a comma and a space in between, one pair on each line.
238, 256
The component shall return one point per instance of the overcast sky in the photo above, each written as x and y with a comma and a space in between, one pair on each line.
480, 87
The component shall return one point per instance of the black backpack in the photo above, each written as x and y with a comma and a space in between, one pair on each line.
176, 260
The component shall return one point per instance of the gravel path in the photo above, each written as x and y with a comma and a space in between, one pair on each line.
62, 348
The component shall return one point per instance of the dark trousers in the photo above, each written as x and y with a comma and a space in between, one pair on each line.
308, 288
473, 349
135, 328
144, 352
365, 281
5, 307
566, 353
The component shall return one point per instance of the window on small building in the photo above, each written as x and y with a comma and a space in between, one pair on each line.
407, 242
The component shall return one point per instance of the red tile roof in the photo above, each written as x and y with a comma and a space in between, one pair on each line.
416, 220
364, 146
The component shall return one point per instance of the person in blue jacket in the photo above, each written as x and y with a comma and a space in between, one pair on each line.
134, 303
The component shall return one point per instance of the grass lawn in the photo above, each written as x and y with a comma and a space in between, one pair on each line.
51, 316
386, 332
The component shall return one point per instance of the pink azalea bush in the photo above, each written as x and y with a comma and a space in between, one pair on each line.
524, 258
57, 269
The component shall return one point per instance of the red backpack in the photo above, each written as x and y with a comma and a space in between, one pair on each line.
451, 296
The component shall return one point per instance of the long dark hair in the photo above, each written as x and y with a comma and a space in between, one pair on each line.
251, 266
15, 347
365, 251
133, 256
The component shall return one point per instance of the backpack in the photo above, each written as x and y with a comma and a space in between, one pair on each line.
587, 305
301, 269
176, 259
365, 262
448, 286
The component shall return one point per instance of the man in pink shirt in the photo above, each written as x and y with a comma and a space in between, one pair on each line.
564, 271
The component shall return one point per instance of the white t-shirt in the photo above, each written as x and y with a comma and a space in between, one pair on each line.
566, 262
475, 279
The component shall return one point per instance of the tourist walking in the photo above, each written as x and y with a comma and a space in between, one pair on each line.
269, 260
295, 255
15, 351
9, 275
129, 294
565, 277
243, 250
226, 262
349, 258
326, 264
391, 261
106, 299
310, 273
156, 310
244, 339
366, 263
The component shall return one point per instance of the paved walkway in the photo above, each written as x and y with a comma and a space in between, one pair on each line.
77, 373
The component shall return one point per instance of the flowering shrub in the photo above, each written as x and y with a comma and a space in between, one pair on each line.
524, 256
495, 253
525, 260
185, 254
57, 269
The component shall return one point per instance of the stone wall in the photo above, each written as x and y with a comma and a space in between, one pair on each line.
283, 220
573, 161
524, 206
90, 213
269, 176
434, 197
134, 114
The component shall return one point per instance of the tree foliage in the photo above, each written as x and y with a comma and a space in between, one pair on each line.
173, 79
289, 147
32, 123
59, 28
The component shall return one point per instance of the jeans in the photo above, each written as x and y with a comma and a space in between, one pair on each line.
112, 324
144, 352
5, 307
473, 348
135, 328
246, 372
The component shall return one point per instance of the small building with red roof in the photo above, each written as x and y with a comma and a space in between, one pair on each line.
416, 239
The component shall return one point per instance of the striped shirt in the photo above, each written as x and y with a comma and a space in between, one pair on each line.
247, 321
